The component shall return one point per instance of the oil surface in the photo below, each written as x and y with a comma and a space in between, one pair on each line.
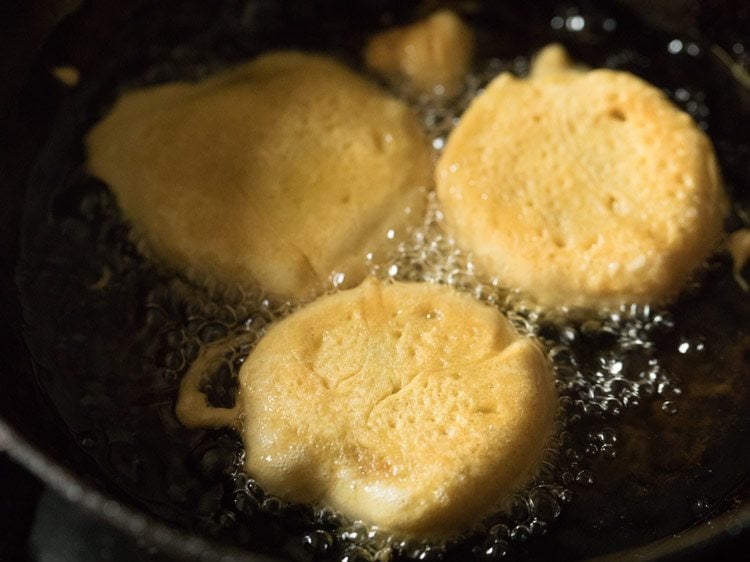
653, 401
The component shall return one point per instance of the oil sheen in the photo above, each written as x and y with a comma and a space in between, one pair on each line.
649, 398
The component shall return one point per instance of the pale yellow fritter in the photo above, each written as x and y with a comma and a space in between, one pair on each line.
409, 405
581, 188
433, 52
277, 172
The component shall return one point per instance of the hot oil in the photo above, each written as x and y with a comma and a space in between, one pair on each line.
650, 399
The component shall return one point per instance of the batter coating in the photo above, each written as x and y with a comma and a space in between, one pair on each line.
434, 52
278, 172
738, 245
581, 188
408, 405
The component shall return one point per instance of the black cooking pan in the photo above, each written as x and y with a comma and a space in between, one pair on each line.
66, 413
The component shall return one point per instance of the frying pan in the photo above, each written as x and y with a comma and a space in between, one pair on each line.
107, 40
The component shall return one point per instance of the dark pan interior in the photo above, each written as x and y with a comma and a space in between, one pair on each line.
115, 43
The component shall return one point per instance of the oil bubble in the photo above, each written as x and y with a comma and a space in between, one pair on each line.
544, 506
317, 542
520, 534
669, 407
356, 554
585, 478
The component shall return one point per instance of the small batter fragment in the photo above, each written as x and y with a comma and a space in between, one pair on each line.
434, 52
67, 75
410, 406
581, 188
279, 172
738, 245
